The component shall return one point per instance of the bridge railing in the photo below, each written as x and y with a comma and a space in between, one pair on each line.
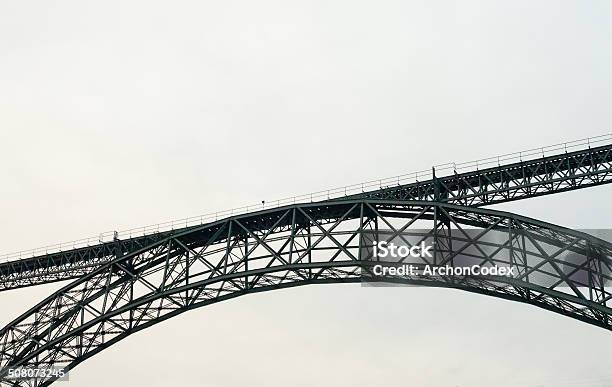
338, 192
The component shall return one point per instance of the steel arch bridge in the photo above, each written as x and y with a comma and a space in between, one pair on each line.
124, 286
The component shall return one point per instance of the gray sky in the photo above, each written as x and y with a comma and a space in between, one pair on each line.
118, 114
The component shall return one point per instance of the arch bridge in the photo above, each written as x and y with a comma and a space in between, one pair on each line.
116, 288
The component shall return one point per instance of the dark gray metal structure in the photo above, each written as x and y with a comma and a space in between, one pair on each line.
523, 180
124, 286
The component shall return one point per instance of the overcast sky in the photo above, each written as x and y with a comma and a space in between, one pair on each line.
123, 113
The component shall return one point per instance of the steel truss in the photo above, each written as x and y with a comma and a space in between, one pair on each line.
504, 183
547, 175
305, 244
69, 264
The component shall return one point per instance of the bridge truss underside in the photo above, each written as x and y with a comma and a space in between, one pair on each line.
481, 187
558, 269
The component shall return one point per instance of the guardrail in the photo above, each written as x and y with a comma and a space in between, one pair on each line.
441, 171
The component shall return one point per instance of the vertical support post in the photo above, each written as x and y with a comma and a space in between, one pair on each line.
435, 234
187, 266
360, 230
228, 246
309, 248
376, 231
246, 261
436, 184
292, 241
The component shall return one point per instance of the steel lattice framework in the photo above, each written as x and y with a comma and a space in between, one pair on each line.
122, 287
523, 180
299, 245
504, 183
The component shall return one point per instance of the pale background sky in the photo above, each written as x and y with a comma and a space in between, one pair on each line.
123, 113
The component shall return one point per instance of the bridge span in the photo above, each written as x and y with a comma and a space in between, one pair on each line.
122, 286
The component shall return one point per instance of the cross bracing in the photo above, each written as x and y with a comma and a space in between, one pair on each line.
114, 289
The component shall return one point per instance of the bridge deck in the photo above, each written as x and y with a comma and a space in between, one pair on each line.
481, 187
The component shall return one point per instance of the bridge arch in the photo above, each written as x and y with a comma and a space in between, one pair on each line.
558, 269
